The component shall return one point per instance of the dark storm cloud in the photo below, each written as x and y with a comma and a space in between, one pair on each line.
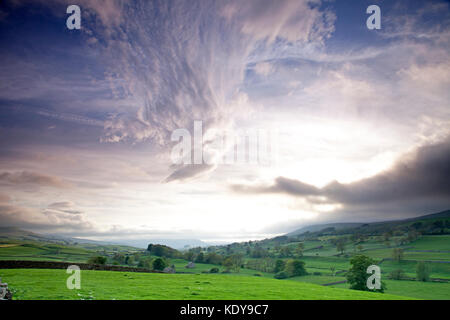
281, 185
420, 180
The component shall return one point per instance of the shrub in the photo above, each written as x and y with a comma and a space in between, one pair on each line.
159, 264
422, 271
316, 273
214, 270
279, 265
97, 260
257, 274
281, 275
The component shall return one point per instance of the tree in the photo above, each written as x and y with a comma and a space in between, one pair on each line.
340, 245
417, 225
333, 269
397, 254
259, 252
295, 268
412, 235
162, 251
237, 261
299, 249
285, 251
200, 258
397, 274
97, 260
387, 237
145, 263
130, 260
159, 264
422, 271
227, 263
119, 258
357, 275
279, 265
438, 224
213, 258
189, 255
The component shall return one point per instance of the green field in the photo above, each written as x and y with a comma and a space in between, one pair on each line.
38, 284
318, 279
415, 289
36, 250
437, 270
437, 243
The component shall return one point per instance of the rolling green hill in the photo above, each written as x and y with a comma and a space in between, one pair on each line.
107, 285
319, 227
372, 227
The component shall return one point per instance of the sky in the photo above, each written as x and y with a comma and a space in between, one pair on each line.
99, 126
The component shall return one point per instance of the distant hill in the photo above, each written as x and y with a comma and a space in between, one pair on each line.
20, 234
319, 227
439, 215
374, 226
178, 244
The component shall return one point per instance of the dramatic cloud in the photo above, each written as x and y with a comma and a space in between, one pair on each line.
176, 76
87, 115
419, 177
44, 220
289, 19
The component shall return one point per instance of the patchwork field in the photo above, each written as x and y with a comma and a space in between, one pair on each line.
37, 250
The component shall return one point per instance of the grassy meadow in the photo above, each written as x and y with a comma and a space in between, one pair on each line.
37, 284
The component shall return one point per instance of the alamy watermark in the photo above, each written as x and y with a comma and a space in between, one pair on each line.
374, 280
74, 20
374, 20
251, 146
73, 281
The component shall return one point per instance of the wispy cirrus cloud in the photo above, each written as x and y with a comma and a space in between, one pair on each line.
181, 72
